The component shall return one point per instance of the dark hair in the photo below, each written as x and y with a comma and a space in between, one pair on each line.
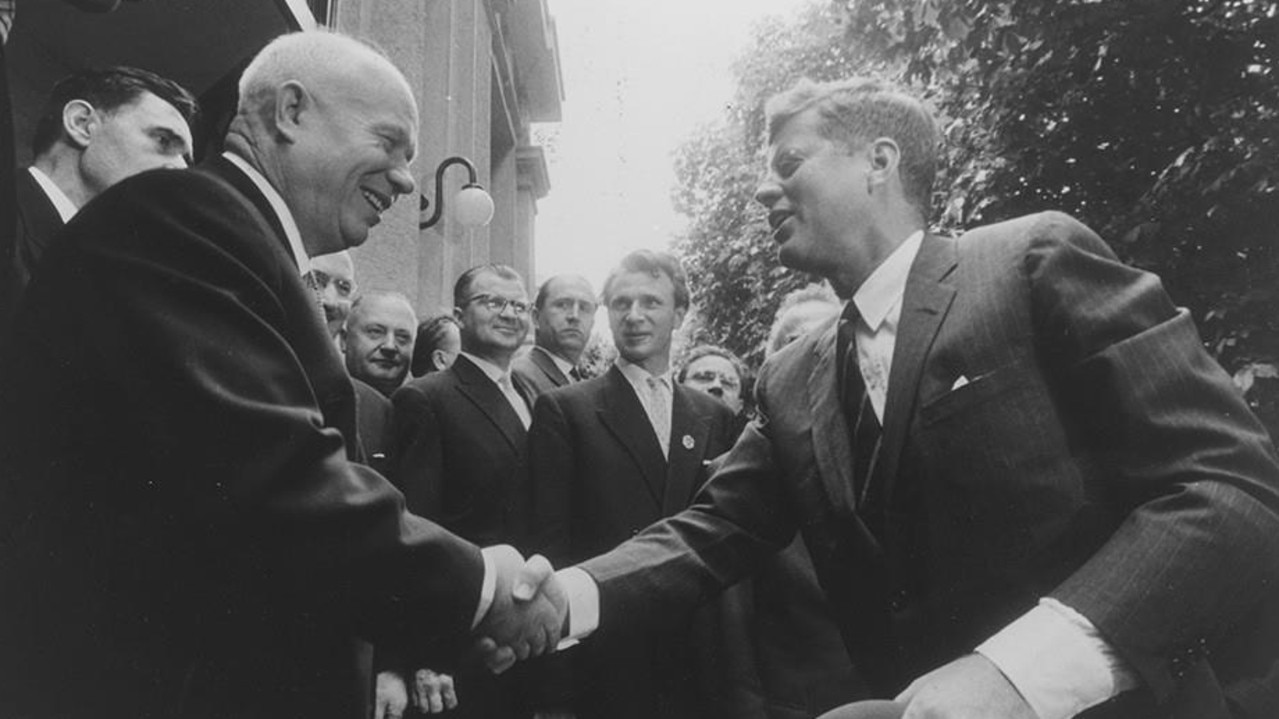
462, 288
107, 89
655, 264
859, 110
430, 335
701, 351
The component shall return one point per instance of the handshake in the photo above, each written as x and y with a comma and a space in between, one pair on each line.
529, 611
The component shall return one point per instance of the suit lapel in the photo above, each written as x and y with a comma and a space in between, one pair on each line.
548, 367
230, 174
624, 417
927, 300
689, 435
485, 395
37, 217
830, 429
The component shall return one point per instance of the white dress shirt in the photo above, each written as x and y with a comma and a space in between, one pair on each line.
502, 378
63, 204
1052, 655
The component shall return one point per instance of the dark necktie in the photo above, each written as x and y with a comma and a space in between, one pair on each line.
574, 375
865, 433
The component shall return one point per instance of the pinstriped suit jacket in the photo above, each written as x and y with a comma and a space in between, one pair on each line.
1094, 453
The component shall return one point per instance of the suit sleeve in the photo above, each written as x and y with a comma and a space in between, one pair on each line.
418, 458
253, 482
1189, 461
675, 564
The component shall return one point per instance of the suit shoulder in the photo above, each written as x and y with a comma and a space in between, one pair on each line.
1039, 232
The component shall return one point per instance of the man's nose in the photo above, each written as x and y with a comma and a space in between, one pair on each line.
402, 182
768, 193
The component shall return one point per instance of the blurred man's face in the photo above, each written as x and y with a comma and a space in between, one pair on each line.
717, 377
566, 318
494, 318
335, 277
144, 134
642, 315
378, 341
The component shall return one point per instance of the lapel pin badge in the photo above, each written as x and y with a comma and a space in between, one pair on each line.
688, 441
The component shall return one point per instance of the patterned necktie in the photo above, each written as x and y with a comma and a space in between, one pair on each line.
514, 398
864, 429
659, 412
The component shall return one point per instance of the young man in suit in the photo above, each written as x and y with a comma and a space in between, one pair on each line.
563, 317
98, 127
613, 454
183, 528
459, 439
1026, 487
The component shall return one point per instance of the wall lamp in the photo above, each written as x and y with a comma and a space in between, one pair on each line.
472, 206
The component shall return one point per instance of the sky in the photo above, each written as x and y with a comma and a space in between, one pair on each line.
638, 78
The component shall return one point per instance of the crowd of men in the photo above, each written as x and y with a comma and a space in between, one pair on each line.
987, 476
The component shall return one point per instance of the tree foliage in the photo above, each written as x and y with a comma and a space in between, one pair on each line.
1156, 122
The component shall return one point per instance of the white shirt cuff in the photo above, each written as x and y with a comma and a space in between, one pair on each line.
1057, 660
583, 604
487, 590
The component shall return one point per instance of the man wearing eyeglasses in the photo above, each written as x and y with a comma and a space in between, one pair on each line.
613, 454
459, 438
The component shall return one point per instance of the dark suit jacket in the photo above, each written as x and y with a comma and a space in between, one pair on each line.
181, 529
459, 452
38, 222
373, 415
539, 371
1093, 453
597, 477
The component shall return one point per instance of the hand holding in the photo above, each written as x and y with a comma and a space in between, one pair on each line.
528, 610
432, 692
968, 688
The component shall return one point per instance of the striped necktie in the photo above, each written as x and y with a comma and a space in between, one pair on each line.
865, 433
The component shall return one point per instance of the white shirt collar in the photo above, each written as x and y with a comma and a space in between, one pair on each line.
276, 202
63, 204
886, 286
489, 369
637, 375
564, 365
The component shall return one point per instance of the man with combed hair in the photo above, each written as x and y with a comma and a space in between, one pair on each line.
98, 127
185, 533
1027, 489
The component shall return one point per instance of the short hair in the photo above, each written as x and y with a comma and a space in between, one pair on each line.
540, 301
430, 335
294, 53
815, 292
655, 264
107, 89
380, 295
860, 110
462, 288
701, 351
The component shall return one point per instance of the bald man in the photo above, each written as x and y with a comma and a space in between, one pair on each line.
183, 532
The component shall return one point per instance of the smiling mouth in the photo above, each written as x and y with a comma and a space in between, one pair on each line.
379, 201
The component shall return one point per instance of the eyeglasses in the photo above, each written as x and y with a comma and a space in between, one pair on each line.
344, 287
497, 305
709, 376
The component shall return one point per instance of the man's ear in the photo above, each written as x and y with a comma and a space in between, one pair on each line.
291, 102
79, 121
679, 317
884, 158
438, 359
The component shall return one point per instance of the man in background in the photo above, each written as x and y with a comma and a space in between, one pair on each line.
97, 128
439, 341
377, 339
613, 454
334, 278
563, 317
459, 442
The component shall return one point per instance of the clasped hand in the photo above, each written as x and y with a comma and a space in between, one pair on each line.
527, 615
